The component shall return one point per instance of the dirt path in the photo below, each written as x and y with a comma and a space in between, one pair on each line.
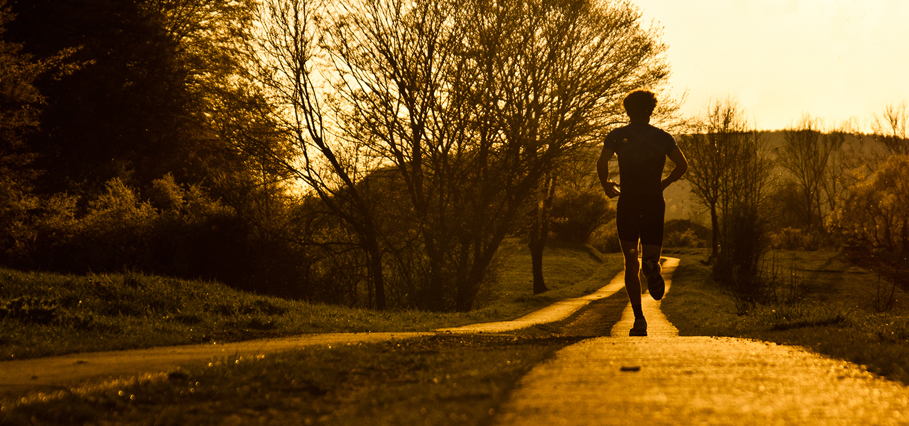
666, 379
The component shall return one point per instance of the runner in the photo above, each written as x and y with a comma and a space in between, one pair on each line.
642, 150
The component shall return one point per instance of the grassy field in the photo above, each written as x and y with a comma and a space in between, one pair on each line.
48, 314
825, 304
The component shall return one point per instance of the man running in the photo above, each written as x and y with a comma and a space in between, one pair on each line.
642, 150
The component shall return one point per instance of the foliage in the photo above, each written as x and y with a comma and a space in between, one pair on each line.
790, 238
685, 234
874, 214
158, 82
576, 215
874, 224
684, 239
182, 232
606, 239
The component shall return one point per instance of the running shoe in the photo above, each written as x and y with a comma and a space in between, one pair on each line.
655, 283
639, 328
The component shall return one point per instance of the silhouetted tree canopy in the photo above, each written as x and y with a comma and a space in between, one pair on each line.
155, 75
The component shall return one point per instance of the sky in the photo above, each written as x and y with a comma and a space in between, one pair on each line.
835, 60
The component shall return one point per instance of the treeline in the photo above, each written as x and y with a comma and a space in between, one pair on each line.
367, 153
818, 188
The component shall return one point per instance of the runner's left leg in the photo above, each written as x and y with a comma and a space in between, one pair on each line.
632, 276
650, 266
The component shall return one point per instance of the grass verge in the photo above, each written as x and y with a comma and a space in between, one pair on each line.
45, 314
439, 380
829, 309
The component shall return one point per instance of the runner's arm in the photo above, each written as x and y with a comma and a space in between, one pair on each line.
681, 166
603, 171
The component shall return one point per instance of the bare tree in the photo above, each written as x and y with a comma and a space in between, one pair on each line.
283, 60
807, 154
455, 111
835, 178
891, 129
713, 151
576, 60
729, 174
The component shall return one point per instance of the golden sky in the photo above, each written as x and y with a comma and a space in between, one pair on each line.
833, 59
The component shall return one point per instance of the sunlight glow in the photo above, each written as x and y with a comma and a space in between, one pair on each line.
833, 59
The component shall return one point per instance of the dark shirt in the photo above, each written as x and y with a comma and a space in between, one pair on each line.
642, 151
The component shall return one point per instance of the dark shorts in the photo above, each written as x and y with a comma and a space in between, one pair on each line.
641, 217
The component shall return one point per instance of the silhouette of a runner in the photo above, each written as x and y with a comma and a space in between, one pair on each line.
642, 150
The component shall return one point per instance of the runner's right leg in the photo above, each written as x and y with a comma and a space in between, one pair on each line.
633, 286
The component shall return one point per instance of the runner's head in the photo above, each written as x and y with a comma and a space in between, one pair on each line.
639, 104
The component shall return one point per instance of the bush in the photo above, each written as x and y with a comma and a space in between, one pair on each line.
115, 232
17, 205
576, 215
685, 233
605, 239
683, 239
875, 227
795, 239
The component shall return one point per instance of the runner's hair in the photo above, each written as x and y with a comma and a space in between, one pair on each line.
640, 104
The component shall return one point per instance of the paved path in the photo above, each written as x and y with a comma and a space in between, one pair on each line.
73, 369
669, 380
552, 313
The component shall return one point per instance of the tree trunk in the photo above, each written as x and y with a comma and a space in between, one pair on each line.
375, 273
539, 234
715, 231
536, 245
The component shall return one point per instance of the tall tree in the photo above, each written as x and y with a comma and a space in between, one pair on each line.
21, 103
157, 74
464, 106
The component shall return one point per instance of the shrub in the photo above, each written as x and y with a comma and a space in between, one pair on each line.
576, 215
738, 262
165, 194
875, 227
686, 238
115, 231
16, 206
605, 239
795, 239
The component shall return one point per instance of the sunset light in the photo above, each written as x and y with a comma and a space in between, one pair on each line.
835, 60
